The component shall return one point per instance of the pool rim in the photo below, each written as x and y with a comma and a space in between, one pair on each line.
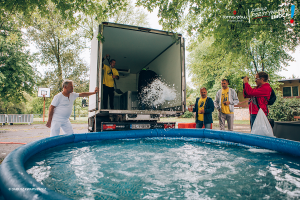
13, 174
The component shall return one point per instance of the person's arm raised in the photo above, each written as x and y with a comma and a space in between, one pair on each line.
86, 94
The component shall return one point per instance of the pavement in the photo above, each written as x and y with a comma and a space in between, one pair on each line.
26, 134
29, 133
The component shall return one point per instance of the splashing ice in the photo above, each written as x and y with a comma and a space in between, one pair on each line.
157, 93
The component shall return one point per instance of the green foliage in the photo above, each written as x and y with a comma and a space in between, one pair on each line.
191, 95
208, 65
58, 49
66, 8
284, 109
221, 48
131, 15
16, 74
36, 105
187, 114
12, 108
100, 37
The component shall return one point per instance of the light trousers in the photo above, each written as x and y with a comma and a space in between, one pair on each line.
66, 126
229, 118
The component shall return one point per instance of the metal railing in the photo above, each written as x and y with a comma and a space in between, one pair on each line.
30, 118
19, 118
2, 119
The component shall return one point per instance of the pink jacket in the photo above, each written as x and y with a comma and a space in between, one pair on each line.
262, 94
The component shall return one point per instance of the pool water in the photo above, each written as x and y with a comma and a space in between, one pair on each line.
166, 169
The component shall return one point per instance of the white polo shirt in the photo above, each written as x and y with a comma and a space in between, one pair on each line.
63, 106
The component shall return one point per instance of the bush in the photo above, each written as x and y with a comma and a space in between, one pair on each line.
284, 109
187, 114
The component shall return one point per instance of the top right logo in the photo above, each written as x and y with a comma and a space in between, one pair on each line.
292, 13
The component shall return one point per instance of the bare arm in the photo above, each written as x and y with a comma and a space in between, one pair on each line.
51, 111
86, 94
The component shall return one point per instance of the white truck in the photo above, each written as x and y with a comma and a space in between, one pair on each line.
136, 48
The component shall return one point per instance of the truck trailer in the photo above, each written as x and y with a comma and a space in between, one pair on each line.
136, 49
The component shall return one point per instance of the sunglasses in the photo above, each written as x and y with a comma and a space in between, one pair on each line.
257, 79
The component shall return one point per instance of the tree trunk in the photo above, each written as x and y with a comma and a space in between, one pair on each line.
59, 68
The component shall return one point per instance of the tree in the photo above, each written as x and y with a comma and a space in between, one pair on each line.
258, 45
17, 76
128, 14
208, 65
59, 49
66, 8
134, 16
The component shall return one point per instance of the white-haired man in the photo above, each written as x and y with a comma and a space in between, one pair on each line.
61, 109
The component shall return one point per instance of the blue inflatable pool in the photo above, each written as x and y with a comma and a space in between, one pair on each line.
16, 183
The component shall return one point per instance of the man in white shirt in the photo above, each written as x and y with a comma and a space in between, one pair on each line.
61, 109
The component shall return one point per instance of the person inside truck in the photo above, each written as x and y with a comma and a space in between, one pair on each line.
109, 75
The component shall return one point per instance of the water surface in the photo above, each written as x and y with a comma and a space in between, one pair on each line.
166, 169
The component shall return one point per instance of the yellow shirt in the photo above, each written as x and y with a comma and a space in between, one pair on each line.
225, 97
201, 104
107, 75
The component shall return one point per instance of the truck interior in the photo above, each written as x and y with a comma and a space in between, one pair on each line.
135, 49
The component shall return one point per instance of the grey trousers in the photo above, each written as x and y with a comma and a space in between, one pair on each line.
229, 118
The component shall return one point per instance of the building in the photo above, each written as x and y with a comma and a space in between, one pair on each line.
290, 87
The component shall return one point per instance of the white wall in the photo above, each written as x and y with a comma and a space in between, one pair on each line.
128, 83
168, 66
93, 75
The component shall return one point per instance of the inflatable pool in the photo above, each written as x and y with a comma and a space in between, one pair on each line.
16, 183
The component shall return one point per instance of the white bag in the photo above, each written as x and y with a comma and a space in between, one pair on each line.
262, 125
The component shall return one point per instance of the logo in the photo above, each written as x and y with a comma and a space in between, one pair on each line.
263, 12
292, 13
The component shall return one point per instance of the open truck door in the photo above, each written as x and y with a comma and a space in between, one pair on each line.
134, 49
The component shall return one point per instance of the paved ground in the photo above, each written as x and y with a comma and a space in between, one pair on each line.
30, 133
27, 134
